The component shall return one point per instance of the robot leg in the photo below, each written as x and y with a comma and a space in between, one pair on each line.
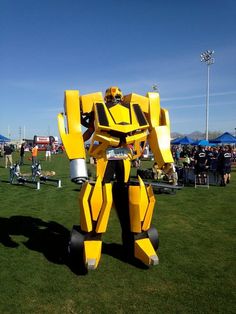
134, 205
95, 205
121, 202
141, 206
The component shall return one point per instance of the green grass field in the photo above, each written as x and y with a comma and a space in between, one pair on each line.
196, 274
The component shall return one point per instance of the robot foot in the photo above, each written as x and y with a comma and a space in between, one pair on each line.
154, 260
91, 264
86, 251
144, 251
92, 253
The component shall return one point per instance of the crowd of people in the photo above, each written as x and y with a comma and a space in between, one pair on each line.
203, 159
6, 151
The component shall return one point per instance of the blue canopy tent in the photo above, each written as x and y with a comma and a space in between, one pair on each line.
225, 138
183, 141
4, 139
203, 143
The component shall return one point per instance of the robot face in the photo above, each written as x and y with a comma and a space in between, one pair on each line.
113, 94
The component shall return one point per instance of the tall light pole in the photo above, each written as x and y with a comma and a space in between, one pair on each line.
234, 136
20, 134
209, 60
24, 132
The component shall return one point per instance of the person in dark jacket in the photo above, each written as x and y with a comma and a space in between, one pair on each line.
8, 155
200, 159
224, 164
201, 168
22, 153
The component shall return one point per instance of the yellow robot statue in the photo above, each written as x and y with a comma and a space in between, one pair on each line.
119, 127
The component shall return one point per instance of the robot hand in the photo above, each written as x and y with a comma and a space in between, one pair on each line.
170, 171
168, 168
73, 139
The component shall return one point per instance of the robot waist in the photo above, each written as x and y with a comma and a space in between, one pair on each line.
118, 153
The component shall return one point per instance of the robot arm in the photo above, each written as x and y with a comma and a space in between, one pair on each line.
73, 138
88, 122
159, 136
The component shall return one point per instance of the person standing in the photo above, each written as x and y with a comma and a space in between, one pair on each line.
48, 152
224, 164
34, 153
200, 158
22, 153
8, 155
201, 167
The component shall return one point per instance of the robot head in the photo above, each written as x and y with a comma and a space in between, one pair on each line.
113, 94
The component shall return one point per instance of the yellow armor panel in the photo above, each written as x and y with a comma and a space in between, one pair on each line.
120, 114
106, 208
74, 135
96, 199
127, 167
104, 120
154, 109
134, 212
92, 253
138, 206
148, 216
137, 99
164, 119
143, 199
101, 167
144, 251
88, 101
95, 206
85, 214
105, 141
159, 140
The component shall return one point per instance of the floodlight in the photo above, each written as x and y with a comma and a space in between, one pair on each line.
207, 58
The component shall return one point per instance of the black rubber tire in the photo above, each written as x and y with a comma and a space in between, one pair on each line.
76, 243
154, 237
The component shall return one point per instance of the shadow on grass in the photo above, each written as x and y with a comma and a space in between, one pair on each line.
24, 185
51, 239
117, 251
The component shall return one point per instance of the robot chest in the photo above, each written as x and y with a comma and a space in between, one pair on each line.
119, 117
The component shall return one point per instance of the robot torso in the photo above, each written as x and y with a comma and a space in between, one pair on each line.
120, 131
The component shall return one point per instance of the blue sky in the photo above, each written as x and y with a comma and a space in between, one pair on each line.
49, 46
